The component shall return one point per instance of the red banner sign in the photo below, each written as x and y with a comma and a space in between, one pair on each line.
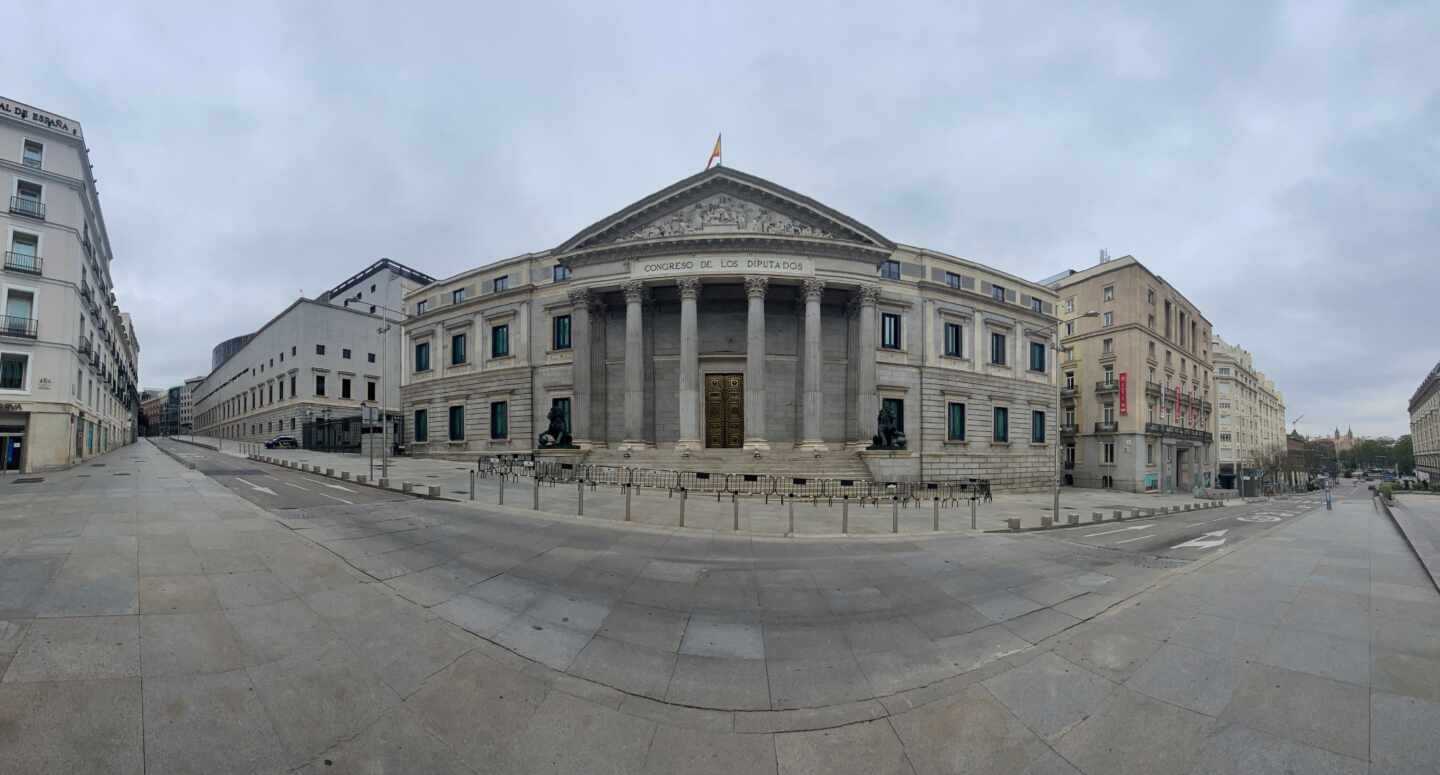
1122, 393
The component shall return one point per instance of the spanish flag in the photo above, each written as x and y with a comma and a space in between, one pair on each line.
715, 154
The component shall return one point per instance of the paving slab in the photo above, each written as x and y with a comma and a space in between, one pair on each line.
72, 727
568, 734
1131, 734
1237, 750
208, 723
81, 649
395, 742
1049, 694
870, 748
695, 752
478, 687
1306, 708
1114, 655
719, 682
1403, 733
188, 644
1191, 679
971, 732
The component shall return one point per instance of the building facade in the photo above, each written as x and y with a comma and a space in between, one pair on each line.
1425, 426
186, 421
1136, 377
68, 356
310, 369
1250, 414
152, 408
727, 321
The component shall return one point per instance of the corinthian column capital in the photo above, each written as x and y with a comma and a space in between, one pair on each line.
812, 289
689, 288
635, 291
755, 287
868, 295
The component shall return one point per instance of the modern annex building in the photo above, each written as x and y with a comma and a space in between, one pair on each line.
308, 371
728, 320
1424, 426
1137, 376
68, 355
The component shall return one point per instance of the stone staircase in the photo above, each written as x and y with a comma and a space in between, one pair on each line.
834, 464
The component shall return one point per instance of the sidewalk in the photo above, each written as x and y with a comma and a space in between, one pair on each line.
1419, 518
756, 515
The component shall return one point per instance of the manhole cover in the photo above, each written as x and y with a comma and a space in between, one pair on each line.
30, 480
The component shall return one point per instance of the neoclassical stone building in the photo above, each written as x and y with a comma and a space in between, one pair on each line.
728, 322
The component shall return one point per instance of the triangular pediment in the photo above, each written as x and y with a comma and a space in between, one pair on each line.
725, 202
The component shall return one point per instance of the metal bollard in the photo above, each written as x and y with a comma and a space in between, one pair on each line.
535, 501
580, 499
502, 489
1119, 515
1013, 523
973, 508
1047, 523
1096, 516
683, 494
627, 501
894, 514
936, 503
1074, 519
845, 515
472, 485
792, 517
735, 506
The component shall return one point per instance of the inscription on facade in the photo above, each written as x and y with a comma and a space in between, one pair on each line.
712, 265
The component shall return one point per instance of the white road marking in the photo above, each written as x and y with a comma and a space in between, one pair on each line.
333, 498
1129, 540
1120, 530
292, 484
1217, 538
338, 487
254, 486
1259, 518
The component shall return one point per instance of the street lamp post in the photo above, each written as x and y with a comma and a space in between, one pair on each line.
1059, 351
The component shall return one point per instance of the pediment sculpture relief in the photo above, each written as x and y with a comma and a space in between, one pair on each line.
724, 213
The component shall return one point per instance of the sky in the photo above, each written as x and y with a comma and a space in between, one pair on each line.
1279, 163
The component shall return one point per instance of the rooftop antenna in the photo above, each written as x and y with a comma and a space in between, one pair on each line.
1104, 255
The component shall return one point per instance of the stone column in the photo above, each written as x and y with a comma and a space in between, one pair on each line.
689, 364
813, 392
1022, 352
867, 402
635, 297
981, 354
581, 368
755, 288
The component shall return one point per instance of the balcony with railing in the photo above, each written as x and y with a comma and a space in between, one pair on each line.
14, 325
1104, 386
23, 262
1069, 430
85, 347
1107, 427
1152, 388
24, 205
1067, 392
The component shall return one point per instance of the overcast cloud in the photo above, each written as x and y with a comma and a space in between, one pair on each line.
1278, 162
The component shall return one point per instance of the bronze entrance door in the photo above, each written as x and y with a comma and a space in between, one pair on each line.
724, 410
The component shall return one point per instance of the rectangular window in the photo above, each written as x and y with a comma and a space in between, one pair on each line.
345, 353
1002, 424
890, 270
457, 423
1069, 380
1108, 320
1108, 413
954, 340
1149, 453
1037, 356
1107, 346
24, 252
500, 341
560, 332
319, 349
1151, 322
1109, 374
292, 349
292, 385
319, 384
1070, 305
562, 405
1037, 305
997, 349
422, 356
952, 280
1109, 451
282, 389
457, 349
12, 371
997, 292
1150, 296
344, 387
33, 154
1109, 293
1070, 416
499, 420
896, 407
370, 357
1037, 427
28, 198
1069, 329
422, 425
369, 390
501, 283
889, 331
955, 421
282, 357
271, 398
558, 273
422, 306
457, 296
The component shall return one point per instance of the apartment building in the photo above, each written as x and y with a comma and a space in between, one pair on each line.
1136, 381
1425, 426
68, 355
1250, 414
728, 323
310, 369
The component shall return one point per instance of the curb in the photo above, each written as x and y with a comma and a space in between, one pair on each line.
405, 488
1432, 571
1117, 515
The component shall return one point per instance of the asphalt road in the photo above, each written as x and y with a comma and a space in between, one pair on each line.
1192, 535
271, 487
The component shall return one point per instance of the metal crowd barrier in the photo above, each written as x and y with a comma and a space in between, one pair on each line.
767, 486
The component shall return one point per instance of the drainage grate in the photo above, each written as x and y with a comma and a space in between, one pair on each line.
97, 465
121, 473
82, 476
30, 480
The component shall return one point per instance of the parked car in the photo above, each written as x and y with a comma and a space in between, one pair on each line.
282, 442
